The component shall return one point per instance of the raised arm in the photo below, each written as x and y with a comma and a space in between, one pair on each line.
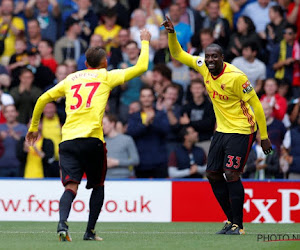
254, 102
176, 51
143, 61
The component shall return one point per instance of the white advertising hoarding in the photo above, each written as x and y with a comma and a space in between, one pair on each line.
38, 200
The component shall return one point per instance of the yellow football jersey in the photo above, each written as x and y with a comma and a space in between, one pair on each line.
229, 93
86, 93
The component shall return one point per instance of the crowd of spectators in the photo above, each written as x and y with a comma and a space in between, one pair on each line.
160, 124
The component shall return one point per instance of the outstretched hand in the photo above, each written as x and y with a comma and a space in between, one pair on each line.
168, 25
266, 146
31, 137
145, 35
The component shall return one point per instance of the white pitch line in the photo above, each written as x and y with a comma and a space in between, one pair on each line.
127, 232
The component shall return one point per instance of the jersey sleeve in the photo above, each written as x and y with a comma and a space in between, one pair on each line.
195, 62
115, 77
243, 88
49, 96
58, 90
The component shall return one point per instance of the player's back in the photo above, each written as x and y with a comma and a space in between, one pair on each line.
86, 93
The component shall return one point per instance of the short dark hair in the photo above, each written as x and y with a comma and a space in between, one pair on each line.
291, 26
196, 81
164, 70
111, 117
278, 9
24, 70
147, 88
207, 31
172, 86
250, 44
183, 132
49, 42
217, 47
132, 42
94, 56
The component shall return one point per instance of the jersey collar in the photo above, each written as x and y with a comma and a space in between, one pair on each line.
216, 77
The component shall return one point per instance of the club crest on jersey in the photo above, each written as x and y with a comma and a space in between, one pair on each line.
223, 86
207, 82
199, 62
247, 87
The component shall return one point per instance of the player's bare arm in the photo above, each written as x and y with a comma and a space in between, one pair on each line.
261, 121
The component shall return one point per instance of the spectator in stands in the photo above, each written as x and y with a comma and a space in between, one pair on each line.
218, 24
206, 38
180, 73
189, 16
183, 30
96, 40
245, 33
33, 34
71, 65
149, 129
258, 11
109, 30
10, 134
187, 160
5, 98
251, 66
18, 60
118, 7
138, 23
277, 102
122, 154
47, 13
35, 159
43, 76
291, 144
60, 74
168, 105
154, 14
119, 54
130, 91
70, 46
25, 95
199, 112
276, 128
285, 58
51, 129
162, 77
274, 30
294, 111
14, 26
260, 166
88, 19
292, 12
162, 55
45, 49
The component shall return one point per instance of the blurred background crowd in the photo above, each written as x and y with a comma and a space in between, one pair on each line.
160, 124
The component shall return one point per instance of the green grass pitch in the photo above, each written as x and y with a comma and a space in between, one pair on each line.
42, 236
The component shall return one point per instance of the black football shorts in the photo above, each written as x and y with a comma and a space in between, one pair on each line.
83, 155
229, 151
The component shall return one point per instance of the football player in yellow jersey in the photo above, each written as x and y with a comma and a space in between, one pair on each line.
232, 97
83, 148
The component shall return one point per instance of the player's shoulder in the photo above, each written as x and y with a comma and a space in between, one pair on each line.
234, 71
